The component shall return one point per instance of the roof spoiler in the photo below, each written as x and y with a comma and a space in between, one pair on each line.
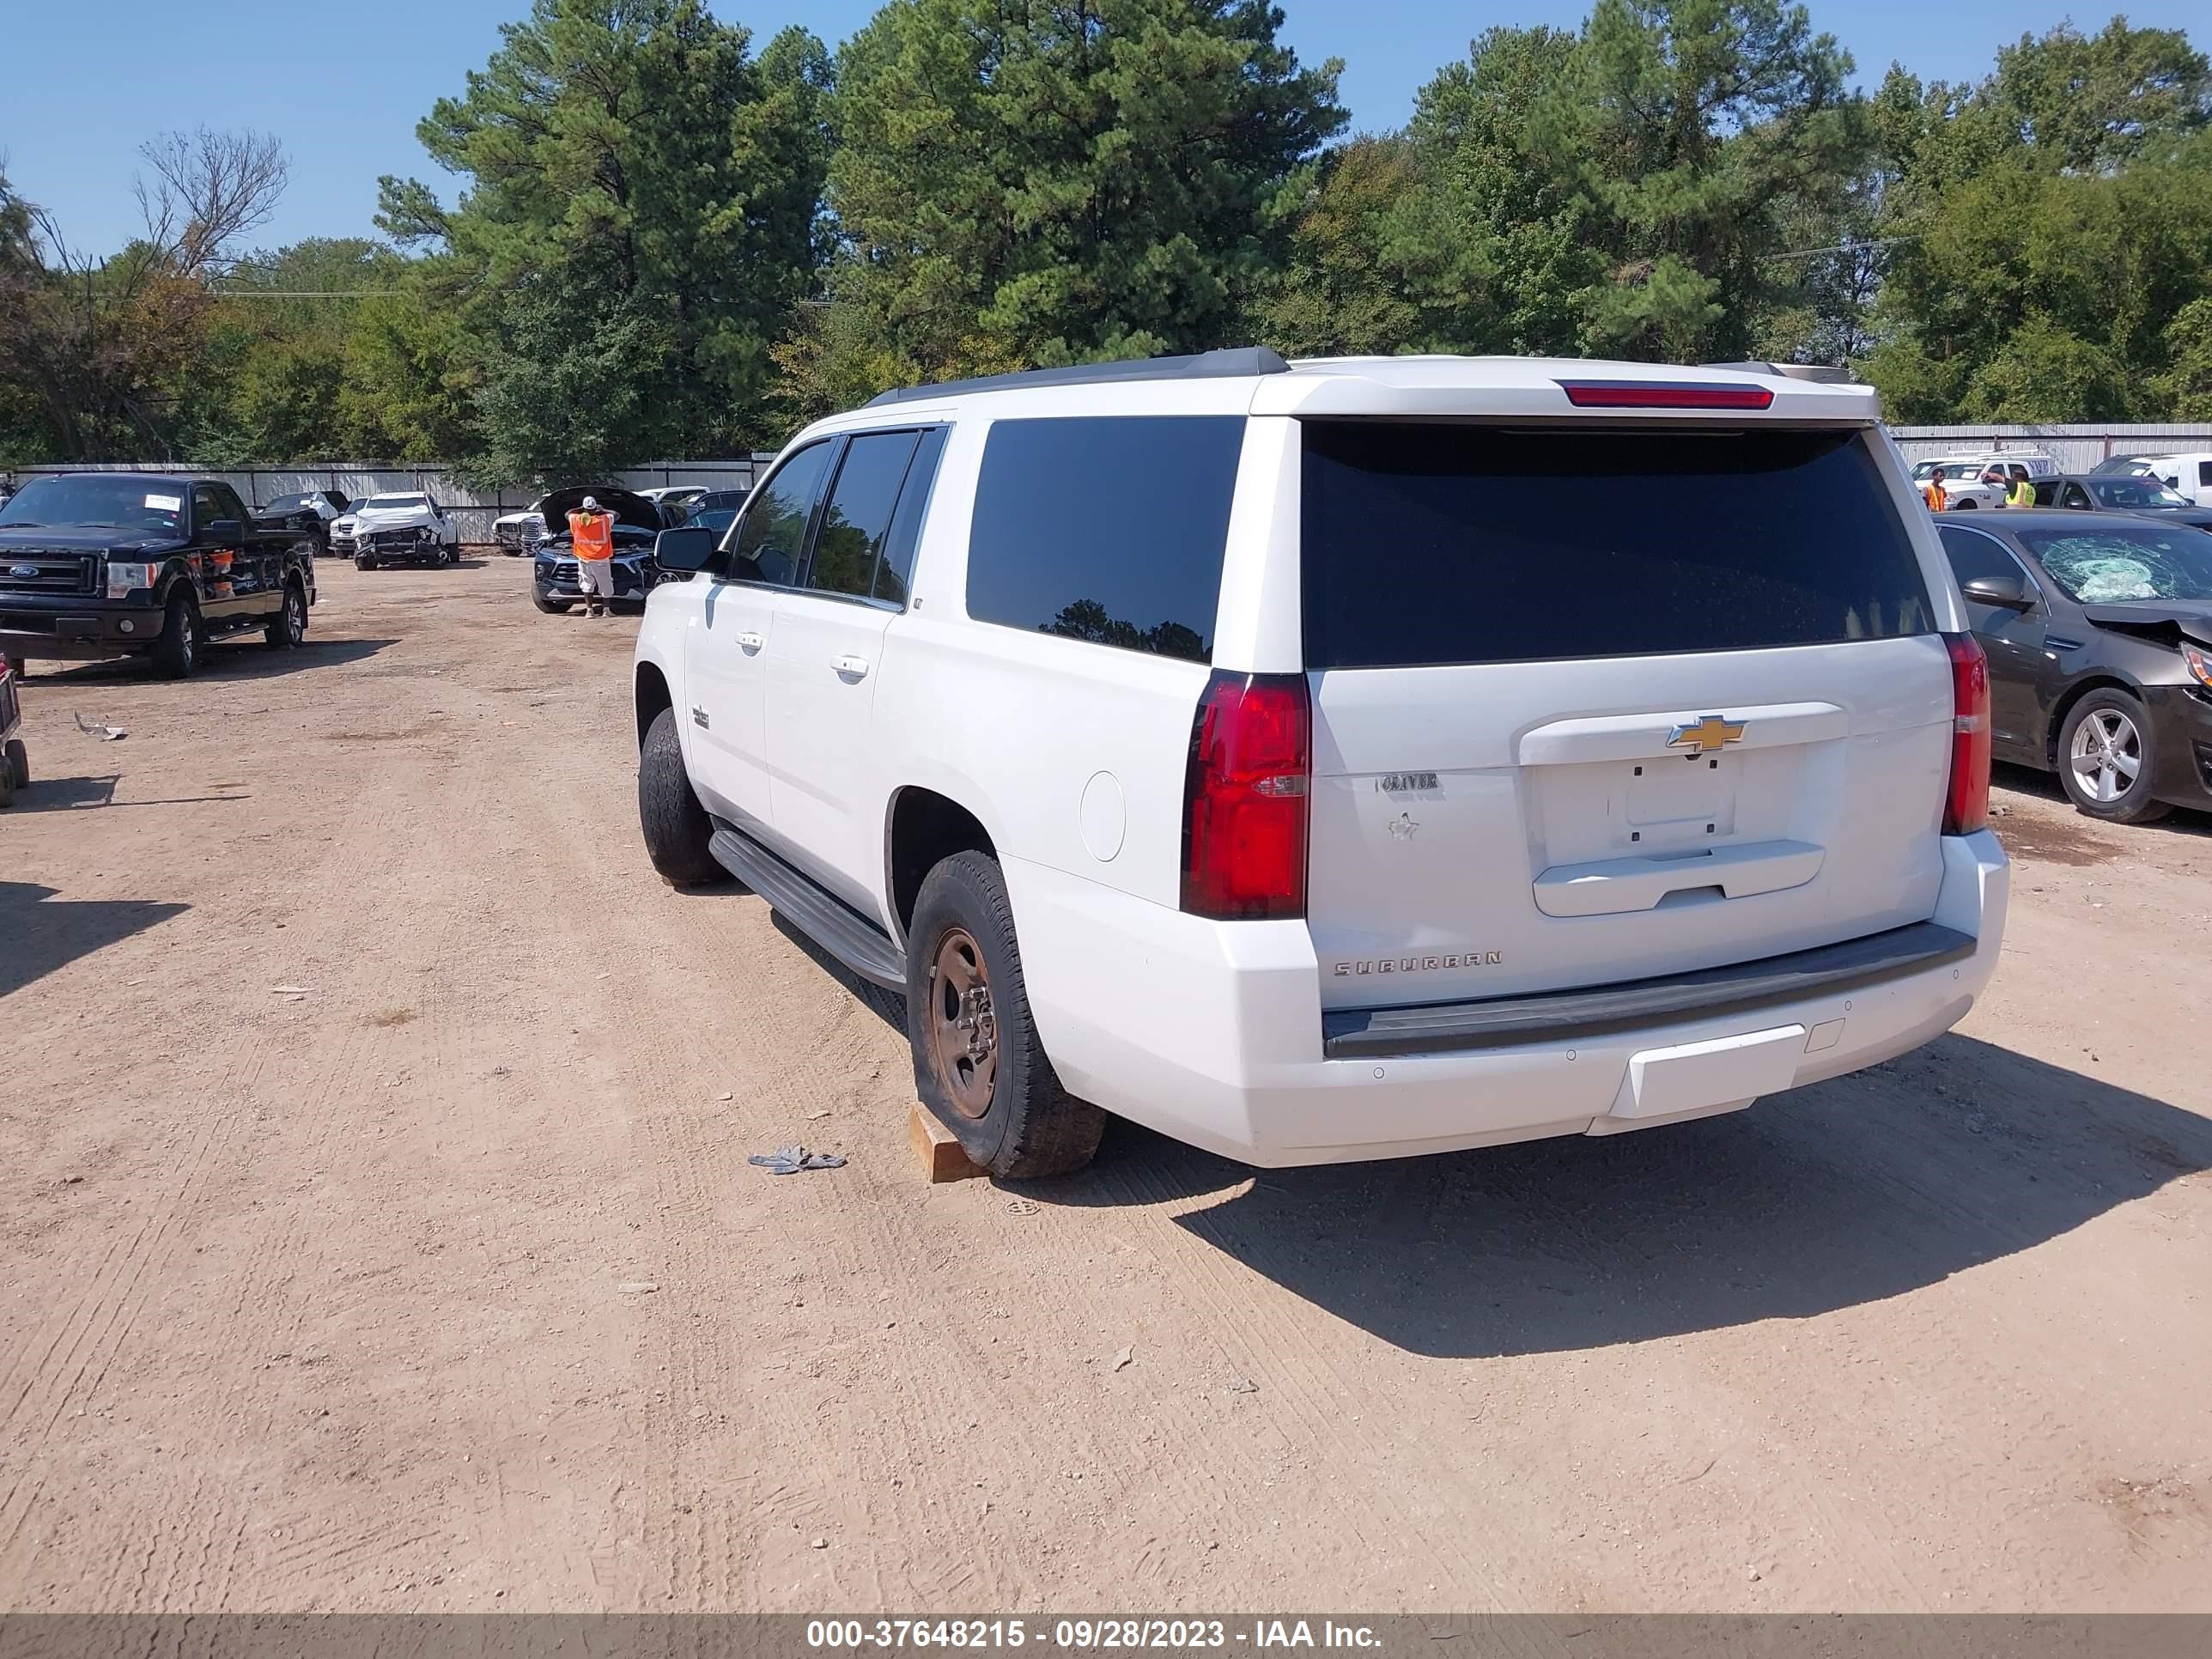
1826, 373
1232, 362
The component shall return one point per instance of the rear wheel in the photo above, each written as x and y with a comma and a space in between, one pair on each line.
676, 829
2105, 753
289, 625
978, 1063
18, 762
177, 653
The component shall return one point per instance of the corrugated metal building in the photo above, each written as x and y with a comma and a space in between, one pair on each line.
2075, 448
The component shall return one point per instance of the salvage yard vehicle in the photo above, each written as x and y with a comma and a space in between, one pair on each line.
518, 534
2149, 497
554, 579
308, 512
404, 529
95, 565
14, 759
1963, 481
1343, 759
2097, 627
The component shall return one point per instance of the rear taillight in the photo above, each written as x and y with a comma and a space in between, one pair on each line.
1967, 806
1245, 798
1665, 394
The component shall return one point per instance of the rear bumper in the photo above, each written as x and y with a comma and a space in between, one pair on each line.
78, 629
1214, 1034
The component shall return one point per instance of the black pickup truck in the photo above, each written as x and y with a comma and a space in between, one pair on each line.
115, 564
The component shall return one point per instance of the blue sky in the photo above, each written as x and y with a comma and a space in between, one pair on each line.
343, 84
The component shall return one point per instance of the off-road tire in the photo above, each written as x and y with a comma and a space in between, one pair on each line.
289, 626
177, 653
2133, 805
17, 763
676, 827
551, 607
1031, 1126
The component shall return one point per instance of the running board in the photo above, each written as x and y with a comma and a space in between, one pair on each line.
831, 922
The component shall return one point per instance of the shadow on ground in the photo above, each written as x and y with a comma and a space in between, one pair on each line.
2045, 786
39, 933
94, 794
242, 658
1844, 1193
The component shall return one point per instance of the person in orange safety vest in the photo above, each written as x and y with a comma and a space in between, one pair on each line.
591, 534
1936, 495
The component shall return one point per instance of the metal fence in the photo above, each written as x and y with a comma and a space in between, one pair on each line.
2075, 448
472, 510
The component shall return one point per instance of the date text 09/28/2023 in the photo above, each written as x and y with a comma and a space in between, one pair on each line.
1087, 1635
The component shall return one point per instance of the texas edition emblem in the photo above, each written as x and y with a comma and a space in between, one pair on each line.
1706, 736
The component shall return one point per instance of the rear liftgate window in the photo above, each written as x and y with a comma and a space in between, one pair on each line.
1430, 543
1107, 529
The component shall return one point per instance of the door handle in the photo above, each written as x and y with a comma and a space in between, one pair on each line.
751, 641
850, 668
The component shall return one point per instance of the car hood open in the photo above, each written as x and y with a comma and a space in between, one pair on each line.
628, 507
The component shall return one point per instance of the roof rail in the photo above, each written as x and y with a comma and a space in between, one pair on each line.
1827, 374
1228, 363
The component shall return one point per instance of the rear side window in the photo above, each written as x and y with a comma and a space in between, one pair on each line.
1430, 543
1110, 530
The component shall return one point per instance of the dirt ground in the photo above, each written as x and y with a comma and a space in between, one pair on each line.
441, 1281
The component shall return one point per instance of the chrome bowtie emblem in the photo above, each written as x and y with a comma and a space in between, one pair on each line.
1705, 736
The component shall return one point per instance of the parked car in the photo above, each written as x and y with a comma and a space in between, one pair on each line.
1237, 747
717, 510
2097, 627
110, 564
14, 758
2149, 496
2190, 475
307, 513
1963, 482
680, 497
517, 533
399, 529
338, 537
554, 587
2130, 466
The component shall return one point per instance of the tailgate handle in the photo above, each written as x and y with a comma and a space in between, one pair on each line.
1609, 887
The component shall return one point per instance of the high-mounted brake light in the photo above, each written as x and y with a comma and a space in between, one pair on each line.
1665, 394
1966, 803
1246, 797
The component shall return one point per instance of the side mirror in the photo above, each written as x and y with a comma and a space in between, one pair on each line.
689, 548
222, 529
2006, 592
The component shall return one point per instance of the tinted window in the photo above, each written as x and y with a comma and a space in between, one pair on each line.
2111, 567
2138, 492
2203, 473
2073, 495
1977, 557
772, 534
226, 499
206, 507
895, 572
859, 515
153, 504
290, 503
1459, 543
1106, 530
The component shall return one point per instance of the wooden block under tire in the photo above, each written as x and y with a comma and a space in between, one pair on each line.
939, 1149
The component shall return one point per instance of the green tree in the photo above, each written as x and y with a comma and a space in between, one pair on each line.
640, 219
2186, 387
1045, 184
1337, 293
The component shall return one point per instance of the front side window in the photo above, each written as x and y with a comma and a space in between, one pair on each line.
771, 536
1444, 542
2115, 567
1110, 530
1975, 557
858, 518
895, 571
206, 507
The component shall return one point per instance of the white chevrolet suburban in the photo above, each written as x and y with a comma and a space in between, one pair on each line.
1342, 759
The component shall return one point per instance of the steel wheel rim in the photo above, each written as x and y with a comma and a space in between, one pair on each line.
2106, 756
963, 1027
